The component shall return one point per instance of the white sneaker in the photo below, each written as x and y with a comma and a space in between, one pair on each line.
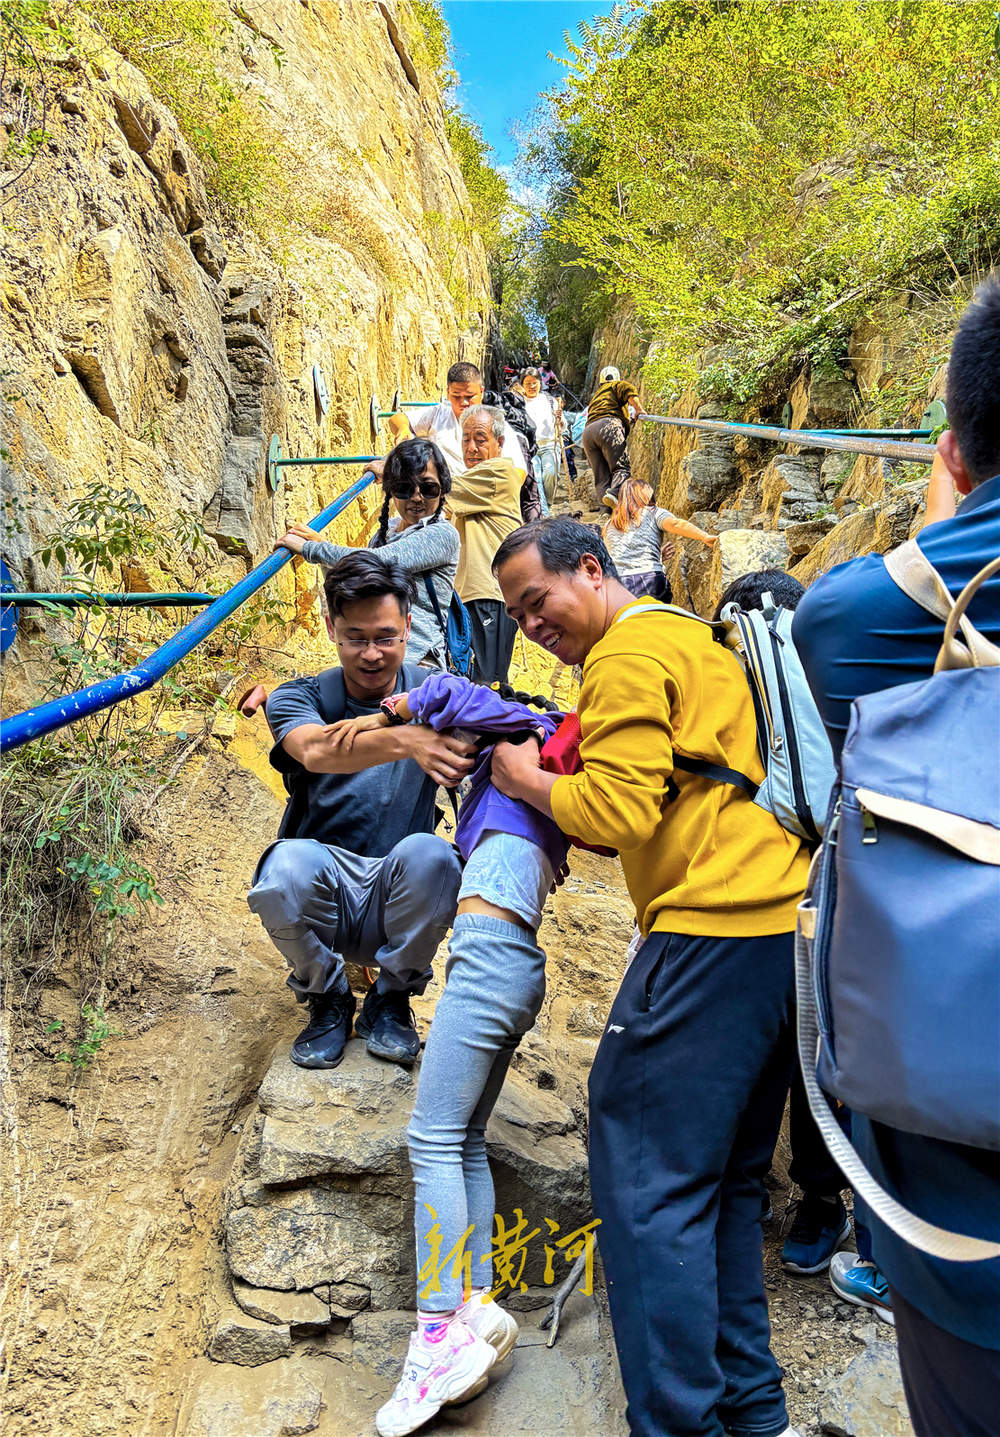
490, 1322
450, 1371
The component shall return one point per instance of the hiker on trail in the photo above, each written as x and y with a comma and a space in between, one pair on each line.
859, 633
357, 872
546, 415
493, 993
634, 537
484, 501
413, 529
533, 501
443, 423
689, 1080
605, 438
819, 1223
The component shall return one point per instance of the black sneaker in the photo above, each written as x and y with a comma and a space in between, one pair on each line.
321, 1043
820, 1227
386, 1020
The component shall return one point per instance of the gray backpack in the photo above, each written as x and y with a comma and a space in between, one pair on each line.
791, 738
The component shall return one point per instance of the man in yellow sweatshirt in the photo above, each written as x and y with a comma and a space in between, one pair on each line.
485, 505
689, 1081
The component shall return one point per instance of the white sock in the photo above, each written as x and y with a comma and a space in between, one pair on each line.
476, 1295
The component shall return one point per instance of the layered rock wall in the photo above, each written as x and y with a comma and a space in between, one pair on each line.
775, 506
151, 342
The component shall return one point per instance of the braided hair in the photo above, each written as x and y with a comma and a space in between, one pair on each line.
407, 462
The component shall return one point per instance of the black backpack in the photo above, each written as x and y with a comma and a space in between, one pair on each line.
332, 707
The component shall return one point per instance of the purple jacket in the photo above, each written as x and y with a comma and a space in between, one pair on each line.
445, 701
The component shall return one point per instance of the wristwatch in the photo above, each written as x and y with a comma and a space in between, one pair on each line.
388, 708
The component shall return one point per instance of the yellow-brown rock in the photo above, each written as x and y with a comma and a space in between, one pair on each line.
152, 342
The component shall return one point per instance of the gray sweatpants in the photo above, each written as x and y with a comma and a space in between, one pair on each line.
321, 904
605, 445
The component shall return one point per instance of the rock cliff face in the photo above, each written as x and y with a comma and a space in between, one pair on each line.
151, 342
773, 506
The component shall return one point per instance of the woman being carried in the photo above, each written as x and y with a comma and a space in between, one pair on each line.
415, 482
634, 536
493, 992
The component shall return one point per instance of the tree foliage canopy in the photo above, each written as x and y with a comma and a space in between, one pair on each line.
751, 174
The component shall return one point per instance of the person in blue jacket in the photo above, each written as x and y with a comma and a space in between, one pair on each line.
856, 633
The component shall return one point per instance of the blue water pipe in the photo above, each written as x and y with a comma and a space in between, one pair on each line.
35, 723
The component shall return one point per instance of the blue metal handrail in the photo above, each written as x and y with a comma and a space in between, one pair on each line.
35, 723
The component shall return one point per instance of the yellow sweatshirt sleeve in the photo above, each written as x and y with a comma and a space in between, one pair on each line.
627, 755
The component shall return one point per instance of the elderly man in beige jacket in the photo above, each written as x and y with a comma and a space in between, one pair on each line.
485, 507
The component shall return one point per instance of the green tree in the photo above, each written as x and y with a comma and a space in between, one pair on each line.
754, 174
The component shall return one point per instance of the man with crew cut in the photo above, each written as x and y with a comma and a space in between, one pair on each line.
443, 423
688, 1084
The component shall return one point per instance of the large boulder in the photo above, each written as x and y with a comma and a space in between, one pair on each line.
867, 1400
744, 551
710, 471
791, 489
325, 1199
875, 529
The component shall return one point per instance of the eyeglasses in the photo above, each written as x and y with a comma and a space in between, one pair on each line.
359, 645
407, 491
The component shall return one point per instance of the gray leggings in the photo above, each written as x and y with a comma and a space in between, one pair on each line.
494, 989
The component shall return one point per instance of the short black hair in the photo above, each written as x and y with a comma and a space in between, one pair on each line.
464, 373
561, 543
974, 384
366, 575
749, 589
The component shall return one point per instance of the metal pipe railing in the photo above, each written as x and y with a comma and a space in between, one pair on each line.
36, 722
879, 433
805, 438
326, 459
112, 601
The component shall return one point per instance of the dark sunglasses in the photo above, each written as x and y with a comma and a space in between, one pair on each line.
407, 491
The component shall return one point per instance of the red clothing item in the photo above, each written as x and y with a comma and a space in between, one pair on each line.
561, 755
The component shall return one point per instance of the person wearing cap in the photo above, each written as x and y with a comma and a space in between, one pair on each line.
610, 414
545, 414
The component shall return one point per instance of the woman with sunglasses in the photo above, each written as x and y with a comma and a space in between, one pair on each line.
415, 481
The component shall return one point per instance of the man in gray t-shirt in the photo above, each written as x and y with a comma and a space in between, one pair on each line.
357, 871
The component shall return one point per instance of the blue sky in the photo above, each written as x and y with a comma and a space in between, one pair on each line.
501, 54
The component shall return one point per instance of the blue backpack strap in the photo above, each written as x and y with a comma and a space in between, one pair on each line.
332, 695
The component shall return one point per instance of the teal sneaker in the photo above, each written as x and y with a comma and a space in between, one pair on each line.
860, 1282
819, 1227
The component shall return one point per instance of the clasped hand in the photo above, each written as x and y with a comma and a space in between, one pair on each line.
443, 757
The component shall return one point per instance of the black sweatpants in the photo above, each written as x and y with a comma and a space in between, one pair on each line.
952, 1386
686, 1097
493, 635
